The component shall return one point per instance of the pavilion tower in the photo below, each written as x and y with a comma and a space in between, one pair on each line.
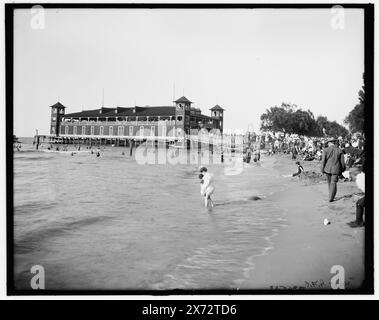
183, 108
57, 111
218, 113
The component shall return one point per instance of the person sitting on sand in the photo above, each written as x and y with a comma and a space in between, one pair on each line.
300, 170
207, 187
359, 178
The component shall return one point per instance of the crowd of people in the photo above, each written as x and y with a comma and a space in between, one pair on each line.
309, 149
339, 158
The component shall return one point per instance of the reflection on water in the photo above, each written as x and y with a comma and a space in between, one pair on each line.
110, 223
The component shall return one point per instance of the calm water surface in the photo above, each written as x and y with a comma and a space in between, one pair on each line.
110, 223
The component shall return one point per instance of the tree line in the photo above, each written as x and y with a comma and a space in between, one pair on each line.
289, 118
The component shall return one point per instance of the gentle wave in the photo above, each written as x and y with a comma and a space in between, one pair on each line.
36, 239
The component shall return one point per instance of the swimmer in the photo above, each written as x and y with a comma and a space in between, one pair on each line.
207, 187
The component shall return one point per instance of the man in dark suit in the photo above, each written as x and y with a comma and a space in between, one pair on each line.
332, 164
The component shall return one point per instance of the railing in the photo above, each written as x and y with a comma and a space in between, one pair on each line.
125, 123
108, 137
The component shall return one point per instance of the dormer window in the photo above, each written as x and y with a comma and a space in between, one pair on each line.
101, 111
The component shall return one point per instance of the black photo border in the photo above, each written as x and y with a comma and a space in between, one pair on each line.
368, 285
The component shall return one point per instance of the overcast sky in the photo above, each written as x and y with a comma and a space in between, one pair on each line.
244, 60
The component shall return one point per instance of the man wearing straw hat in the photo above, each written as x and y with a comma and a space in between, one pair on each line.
332, 165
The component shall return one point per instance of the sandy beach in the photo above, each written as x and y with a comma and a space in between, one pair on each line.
305, 250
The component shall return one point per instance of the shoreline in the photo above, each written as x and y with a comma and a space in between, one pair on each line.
304, 251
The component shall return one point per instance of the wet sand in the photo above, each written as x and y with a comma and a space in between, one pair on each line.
305, 251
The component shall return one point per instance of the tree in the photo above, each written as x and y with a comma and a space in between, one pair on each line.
332, 128
355, 118
336, 130
288, 119
303, 123
276, 119
322, 123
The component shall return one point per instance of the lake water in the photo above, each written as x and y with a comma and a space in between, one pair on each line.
111, 223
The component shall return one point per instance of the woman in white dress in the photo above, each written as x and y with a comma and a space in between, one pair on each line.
207, 186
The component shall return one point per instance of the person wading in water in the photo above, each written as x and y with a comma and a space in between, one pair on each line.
207, 187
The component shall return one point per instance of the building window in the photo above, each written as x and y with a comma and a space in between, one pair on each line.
92, 130
101, 130
54, 111
54, 118
164, 131
75, 130
120, 131
130, 130
179, 118
141, 133
152, 132
66, 130
111, 130
83, 130
61, 111
52, 129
